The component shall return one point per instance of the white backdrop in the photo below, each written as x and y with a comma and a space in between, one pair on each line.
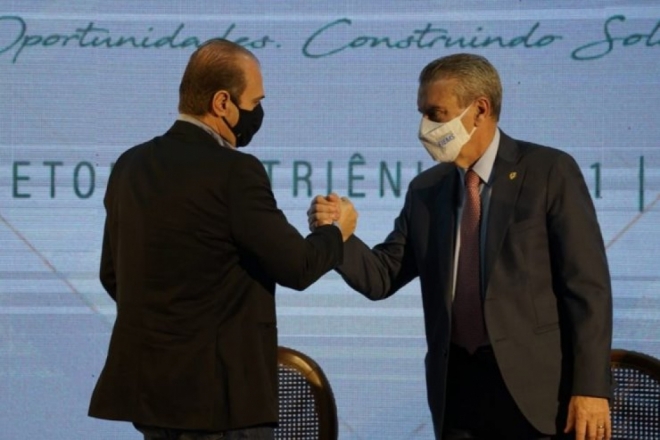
83, 81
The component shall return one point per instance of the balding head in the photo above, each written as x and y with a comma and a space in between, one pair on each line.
216, 65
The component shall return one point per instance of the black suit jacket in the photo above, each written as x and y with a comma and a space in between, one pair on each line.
193, 247
547, 304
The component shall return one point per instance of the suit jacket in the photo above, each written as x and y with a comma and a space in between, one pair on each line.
547, 304
194, 244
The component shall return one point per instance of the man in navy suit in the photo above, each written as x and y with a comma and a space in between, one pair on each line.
515, 283
193, 246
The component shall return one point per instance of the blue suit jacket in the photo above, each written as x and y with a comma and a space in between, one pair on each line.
547, 295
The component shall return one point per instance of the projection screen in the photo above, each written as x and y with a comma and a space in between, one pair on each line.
84, 81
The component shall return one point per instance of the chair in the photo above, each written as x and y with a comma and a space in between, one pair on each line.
307, 408
636, 404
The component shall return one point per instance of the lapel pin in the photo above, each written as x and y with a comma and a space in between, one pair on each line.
512, 175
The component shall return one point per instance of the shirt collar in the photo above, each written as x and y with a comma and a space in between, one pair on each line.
193, 120
484, 166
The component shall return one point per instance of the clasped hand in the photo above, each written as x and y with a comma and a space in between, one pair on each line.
326, 210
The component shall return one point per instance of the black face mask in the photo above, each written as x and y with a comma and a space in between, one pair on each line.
249, 122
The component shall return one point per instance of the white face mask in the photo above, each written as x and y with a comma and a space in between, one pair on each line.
444, 140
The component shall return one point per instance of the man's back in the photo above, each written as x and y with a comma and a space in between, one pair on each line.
169, 205
193, 247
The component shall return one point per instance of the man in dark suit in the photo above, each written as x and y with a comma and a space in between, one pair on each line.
515, 284
193, 246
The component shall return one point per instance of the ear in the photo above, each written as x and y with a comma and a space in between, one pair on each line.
220, 103
484, 110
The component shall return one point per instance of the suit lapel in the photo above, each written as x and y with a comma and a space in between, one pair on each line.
444, 232
508, 176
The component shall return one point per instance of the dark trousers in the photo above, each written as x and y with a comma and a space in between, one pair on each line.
479, 406
156, 433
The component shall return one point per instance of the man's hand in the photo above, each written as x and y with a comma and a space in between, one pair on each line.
330, 209
589, 417
347, 218
323, 211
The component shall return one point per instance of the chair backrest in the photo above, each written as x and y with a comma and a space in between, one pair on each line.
307, 408
636, 403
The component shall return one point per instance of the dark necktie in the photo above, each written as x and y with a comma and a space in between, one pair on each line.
468, 328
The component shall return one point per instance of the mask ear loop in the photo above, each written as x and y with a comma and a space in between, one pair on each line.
463, 114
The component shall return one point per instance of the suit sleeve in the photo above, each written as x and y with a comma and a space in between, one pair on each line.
262, 230
379, 272
107, 274
107, 271
581, 277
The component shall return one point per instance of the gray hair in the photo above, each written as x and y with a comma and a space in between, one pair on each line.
475, 77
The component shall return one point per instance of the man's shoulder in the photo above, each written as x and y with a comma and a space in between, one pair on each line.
544, 160
132, 152
531, 151
433, 175
187, 140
